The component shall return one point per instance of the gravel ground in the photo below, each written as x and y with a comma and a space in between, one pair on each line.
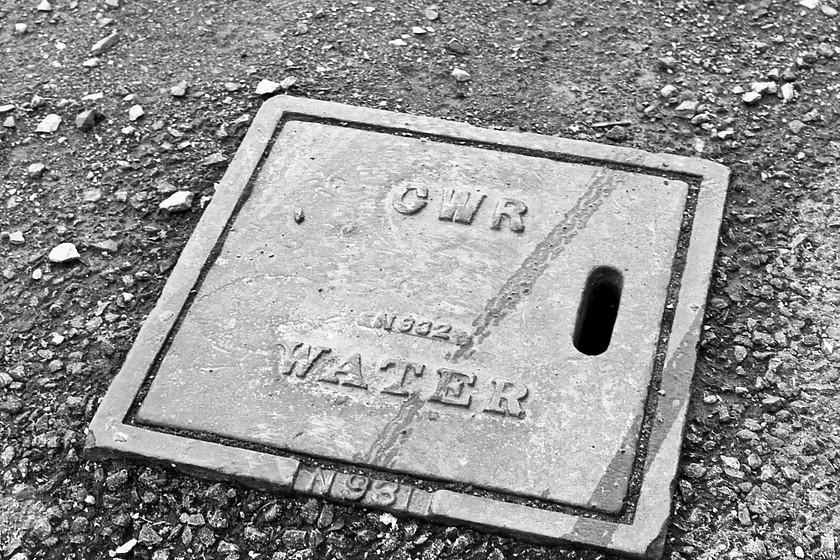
161, 106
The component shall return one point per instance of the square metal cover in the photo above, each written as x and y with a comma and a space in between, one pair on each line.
466, 325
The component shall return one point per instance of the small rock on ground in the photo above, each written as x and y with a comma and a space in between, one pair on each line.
104, 44
63, 252
180, 201
461, 75
49, 124
135, 112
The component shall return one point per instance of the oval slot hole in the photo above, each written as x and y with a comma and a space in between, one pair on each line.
598, 310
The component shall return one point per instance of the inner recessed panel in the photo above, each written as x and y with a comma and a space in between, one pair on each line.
421, 317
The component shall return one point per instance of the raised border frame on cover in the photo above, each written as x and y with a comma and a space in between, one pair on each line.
111, 432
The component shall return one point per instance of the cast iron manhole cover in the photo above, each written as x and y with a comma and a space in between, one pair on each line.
466, 325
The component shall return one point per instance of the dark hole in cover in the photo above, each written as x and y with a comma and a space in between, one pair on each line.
598, 310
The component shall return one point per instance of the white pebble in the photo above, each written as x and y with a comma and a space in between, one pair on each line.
180, 201
266, 87
461, 75
788, 92
49, 124
135, 112
64, 252
751, 98
104, 44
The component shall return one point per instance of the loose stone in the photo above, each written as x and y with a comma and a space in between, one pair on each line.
105, 44
294, 539
288, 82
86, 119
49, 124
456, 46
461, 75
213, 159
9, 122
63, 252
788, 92
617, 134
135, 112
826, 50
310, 511
16, 238
811, 116
44, 6
764, 87
41, 528
91, 63
125, 548
430, 14
702, 118
179, 89
107, 246
668, 90
35, 170
21, 28
668, 63
148, 535
180, 201
751, 98
687, 109
795, 126
92, 195
165, 187
267, 87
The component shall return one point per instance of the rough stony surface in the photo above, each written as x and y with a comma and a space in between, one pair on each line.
759, 467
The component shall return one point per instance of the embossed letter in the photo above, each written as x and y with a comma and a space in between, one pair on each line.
401, 369
299, 357
355, 487
385, 492
508, 392
459, 206
513, 209
317, 481
450, 389
405, 205
350, 371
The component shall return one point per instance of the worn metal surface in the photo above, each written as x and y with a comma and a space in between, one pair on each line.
401, 294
